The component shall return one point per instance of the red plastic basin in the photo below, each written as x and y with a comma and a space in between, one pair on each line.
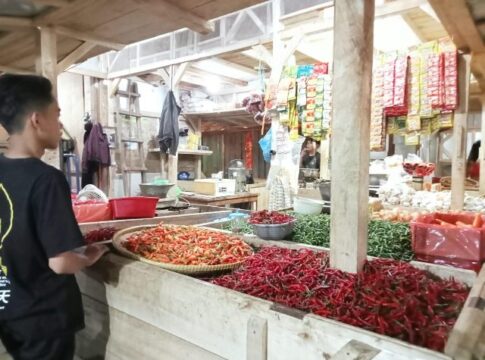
134, 207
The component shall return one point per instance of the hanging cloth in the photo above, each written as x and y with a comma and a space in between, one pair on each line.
168, 135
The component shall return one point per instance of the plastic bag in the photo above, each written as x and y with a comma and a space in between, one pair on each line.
91, 212
447, 244
265, 145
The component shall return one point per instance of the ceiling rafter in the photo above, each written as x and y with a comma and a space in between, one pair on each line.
89, 37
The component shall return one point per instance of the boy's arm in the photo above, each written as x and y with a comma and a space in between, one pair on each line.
70, 262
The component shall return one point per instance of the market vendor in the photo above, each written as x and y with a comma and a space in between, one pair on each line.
310, 157
473, 164
40, 301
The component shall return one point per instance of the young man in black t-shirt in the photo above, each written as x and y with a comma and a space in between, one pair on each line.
40, 301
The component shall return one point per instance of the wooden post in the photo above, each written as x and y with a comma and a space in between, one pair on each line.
458, 163
48, 50
482, 150
353, 50
48, 68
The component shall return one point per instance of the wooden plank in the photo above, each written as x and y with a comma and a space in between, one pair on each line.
353, 52
482, 151
74, 56
459, 23
110, 334
14, 70
458, 165
466, 334
478, 69
185, 219
89, 37
8, 22
356, 350
54, 3
257, 339
48, 41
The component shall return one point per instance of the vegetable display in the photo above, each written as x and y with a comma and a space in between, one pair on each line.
269, 217
389, 297
243, 228
386, 239
98, 235
187, 245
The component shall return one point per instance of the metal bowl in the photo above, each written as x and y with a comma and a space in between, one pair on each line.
273, 231
155, 190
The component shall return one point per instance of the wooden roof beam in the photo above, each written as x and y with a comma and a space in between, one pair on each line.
88, 37
478, 68
14, 70
15, 22
54, 3
230, 80
260, 53
249, 71
166, 9
75, 56
458, 22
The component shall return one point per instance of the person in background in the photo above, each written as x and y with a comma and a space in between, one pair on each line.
310, 157
40, 302
473, 164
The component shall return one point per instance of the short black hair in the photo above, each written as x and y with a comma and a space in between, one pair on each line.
20, 95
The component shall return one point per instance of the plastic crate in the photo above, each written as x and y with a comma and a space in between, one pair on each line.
134, 207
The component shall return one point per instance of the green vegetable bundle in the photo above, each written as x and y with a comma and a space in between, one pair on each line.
386, 239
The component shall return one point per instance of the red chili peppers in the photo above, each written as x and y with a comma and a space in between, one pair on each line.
269, 217
389, 297
98, 235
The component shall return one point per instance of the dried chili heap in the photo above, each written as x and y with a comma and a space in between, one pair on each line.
269, 217
187, 245
389, 297
98, 235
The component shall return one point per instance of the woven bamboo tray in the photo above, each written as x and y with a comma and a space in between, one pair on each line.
123, 235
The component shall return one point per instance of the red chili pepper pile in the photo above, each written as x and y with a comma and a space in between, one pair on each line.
188, 245
269, 217
98, 235
389, 297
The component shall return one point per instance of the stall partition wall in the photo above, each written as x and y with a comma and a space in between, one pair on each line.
227, 146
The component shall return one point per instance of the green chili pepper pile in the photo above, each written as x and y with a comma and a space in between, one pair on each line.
386, 239
244, 228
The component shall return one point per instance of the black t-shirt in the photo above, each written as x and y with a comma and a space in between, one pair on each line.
36, 222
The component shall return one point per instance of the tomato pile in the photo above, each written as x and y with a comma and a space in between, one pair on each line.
187, 245
389, 297
269, 217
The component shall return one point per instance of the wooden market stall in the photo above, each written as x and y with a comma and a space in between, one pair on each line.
194, 317
136, 310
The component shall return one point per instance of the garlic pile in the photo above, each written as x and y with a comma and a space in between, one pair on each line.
396, 194
404, 195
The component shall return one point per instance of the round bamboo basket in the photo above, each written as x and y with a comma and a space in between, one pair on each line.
121, 236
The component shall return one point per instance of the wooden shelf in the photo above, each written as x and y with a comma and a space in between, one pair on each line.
126, 93
195, 152
187, 152
135, 169
145, 115
132, 141
234, 120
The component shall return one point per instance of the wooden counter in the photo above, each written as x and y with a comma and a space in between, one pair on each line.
139, 311
240, 198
